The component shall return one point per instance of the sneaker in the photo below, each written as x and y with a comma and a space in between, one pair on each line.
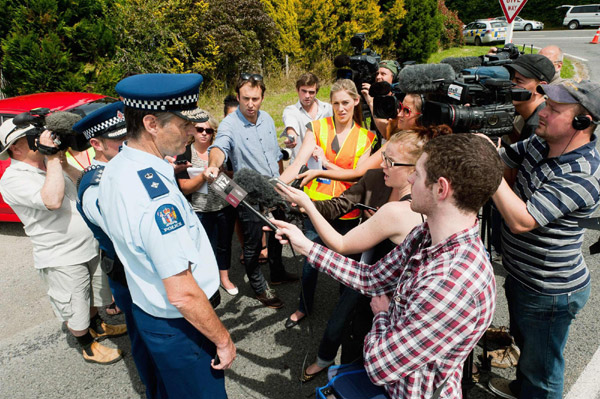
505, 357
500, 386
98, 353
284, 278
109, 330
269, 299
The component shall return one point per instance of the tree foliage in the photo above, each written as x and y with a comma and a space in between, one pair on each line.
283, 13
451, 27
420, 35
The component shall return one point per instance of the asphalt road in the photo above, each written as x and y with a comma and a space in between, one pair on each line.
574, 43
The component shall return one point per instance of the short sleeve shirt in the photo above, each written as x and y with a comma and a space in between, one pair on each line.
295, 117
59, 237
155, 232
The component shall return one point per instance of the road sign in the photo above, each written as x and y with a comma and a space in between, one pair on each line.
511, 8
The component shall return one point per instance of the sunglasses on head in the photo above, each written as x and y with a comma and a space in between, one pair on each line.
251, 76
207, 130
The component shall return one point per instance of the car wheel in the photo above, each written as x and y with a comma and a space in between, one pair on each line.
528, 27
573, 25
477, 41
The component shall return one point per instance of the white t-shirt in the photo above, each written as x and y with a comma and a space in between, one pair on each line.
60, 237
297, 118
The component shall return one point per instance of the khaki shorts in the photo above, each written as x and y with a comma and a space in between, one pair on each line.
72, 293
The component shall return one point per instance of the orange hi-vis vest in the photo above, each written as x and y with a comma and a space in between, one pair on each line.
357, 142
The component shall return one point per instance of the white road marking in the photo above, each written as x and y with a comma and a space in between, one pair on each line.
587, 385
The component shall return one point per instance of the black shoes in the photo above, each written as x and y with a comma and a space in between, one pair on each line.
284, 278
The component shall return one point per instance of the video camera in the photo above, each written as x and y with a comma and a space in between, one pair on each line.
59, 122
363, 65
504, 55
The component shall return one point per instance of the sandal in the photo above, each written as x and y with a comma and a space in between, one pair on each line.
505, 357
112, 309
306, 377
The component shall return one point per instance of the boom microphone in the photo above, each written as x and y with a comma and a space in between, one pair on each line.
61, 122
260, 191
378, 89
460, 63
424, 78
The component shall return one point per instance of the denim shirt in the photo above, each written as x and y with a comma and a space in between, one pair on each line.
249, 145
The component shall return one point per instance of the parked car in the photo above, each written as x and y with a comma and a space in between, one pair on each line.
82, 103
584, 15
485, 31
524, 24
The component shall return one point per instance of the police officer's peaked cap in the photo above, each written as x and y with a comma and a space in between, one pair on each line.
107, 122
162, 92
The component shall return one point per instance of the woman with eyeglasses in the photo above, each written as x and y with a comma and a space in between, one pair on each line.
216, 215
408, 117
386, 189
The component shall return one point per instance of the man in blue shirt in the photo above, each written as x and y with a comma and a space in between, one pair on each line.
170, 267
551, 183
248, 137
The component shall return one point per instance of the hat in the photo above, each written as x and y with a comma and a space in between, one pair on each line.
391, 65
533, 66
585, 92
107, 122
9, 133
162, 92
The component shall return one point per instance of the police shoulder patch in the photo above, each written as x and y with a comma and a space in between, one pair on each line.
168, 218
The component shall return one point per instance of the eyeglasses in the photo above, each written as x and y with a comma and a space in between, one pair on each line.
406, 111
203, 130
389, 163
251, 76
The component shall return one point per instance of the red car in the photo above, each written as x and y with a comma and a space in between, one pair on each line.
59, 101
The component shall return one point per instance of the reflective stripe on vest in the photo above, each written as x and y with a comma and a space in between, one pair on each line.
357, 142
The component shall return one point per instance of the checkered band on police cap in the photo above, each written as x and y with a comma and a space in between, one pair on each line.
108, 121
160, 91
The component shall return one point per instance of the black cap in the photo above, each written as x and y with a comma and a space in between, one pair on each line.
533, 66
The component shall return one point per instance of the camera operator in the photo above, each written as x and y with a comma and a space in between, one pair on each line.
387, 72
41, 190
527, 72
551, 182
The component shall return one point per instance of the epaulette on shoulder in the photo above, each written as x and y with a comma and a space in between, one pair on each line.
91, 175
152, 183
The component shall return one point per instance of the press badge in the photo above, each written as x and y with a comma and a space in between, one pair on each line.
168, 218
324, 181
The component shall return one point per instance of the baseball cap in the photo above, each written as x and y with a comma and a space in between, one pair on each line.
585, 92
9, 134
533, 66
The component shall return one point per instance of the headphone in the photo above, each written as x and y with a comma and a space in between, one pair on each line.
581, 122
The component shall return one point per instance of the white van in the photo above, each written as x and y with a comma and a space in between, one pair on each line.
585, 15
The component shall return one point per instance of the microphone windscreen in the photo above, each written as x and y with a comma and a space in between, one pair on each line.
378, 89
341, 61
424, 78
260, 191
61, 122
460, 63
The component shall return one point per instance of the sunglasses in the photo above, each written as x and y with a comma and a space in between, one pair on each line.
251, 76
406, 111
389, 163
203, 130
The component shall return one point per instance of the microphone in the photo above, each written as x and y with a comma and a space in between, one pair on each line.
260, 191
341, 61
61, 122
235, 195
379, 89
424, 78
460, 63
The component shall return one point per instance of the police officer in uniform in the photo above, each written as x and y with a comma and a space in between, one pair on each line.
105, 130
171, 270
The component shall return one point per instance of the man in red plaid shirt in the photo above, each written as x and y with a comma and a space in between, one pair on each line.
433, 296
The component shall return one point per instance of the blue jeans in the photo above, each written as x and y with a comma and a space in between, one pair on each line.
309, 273
182, 355
540, 325
219, 227
139, 352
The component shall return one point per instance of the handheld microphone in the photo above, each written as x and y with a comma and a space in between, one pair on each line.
235, 195
424, 78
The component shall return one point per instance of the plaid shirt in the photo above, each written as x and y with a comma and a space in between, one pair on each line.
443, 301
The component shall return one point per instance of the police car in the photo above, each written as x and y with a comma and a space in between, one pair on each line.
485, 31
